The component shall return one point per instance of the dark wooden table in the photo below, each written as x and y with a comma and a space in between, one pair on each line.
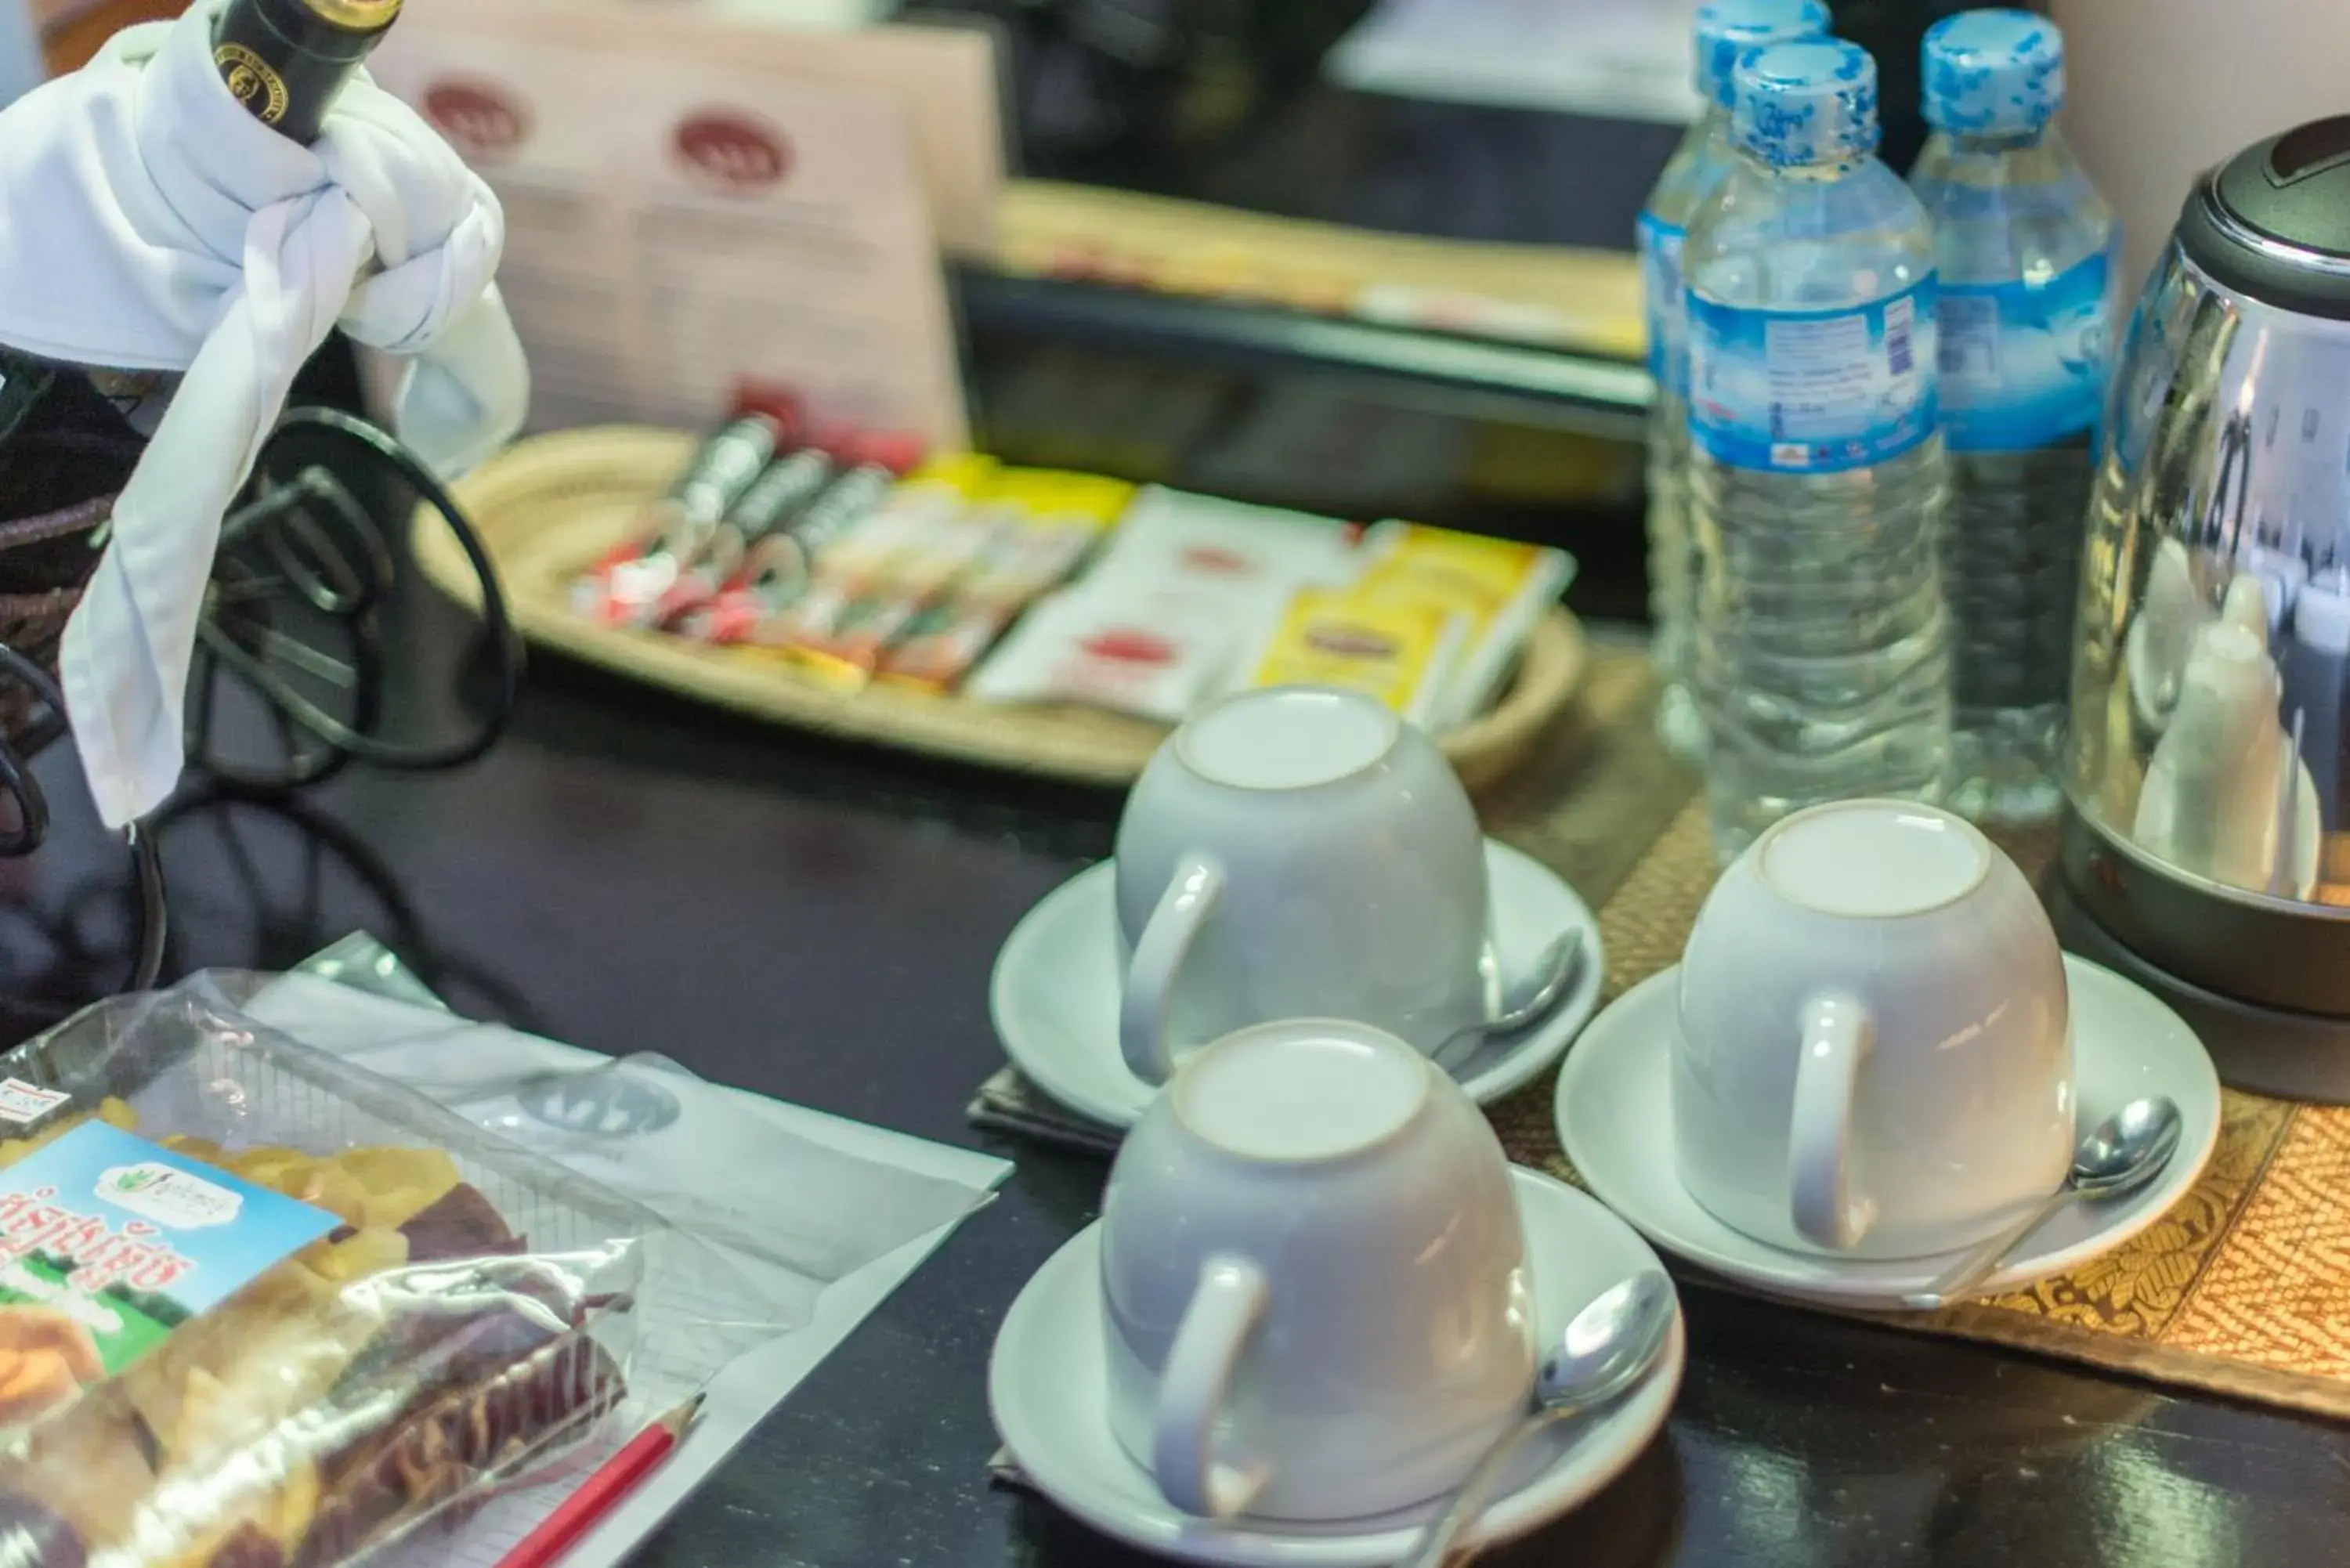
816, 923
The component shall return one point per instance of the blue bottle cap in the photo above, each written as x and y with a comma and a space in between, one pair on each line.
1814, 101
1993, 73
1726, 29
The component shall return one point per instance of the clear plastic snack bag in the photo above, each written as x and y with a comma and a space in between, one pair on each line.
787, 1213
259, 1309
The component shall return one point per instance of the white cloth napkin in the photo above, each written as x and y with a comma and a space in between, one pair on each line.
147, 222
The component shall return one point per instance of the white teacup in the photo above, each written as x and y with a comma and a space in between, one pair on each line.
1298, 851
1873, 1056
1315, 1279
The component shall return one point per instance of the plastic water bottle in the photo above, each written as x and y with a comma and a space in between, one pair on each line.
1818, 480
1726, 29
2024, 244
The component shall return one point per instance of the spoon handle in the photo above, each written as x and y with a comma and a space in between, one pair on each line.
1562, 968
1435, 1548
1959, 1282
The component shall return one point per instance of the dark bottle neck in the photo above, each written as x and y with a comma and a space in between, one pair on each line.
288, 60
70, 433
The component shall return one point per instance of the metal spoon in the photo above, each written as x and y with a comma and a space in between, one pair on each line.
1611, 1345
1554, 974
2127, 1149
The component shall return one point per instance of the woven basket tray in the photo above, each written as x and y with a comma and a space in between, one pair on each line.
549, 507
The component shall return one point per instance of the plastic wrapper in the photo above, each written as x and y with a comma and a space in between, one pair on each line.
786, 1214
259, 1309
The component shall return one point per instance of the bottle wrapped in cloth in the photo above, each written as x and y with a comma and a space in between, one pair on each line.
202, 205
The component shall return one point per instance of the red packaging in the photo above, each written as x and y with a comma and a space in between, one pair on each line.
625, 586
774, 570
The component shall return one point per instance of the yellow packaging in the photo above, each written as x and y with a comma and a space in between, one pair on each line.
1057, 493
964, 473
1017, 532
1400, 652
1493, 590
1463, 572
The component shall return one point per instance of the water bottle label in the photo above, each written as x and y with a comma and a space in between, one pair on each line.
2024, 365
1812, 392
1660, 286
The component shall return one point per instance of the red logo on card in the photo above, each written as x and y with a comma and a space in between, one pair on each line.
1128, 645
733, 153
482, 121
1215, 560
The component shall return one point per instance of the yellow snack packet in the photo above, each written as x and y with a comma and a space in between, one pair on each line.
1400, 652
1060, 494
965, 472
1494, 590
1464, 572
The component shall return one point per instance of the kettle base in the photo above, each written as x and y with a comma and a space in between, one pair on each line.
2268, 1050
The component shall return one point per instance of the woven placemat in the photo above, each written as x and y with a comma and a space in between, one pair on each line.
2242, 1289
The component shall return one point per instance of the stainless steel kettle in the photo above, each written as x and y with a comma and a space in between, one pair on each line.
2207, 771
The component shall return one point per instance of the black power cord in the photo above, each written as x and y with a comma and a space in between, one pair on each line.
320, 547
303, 542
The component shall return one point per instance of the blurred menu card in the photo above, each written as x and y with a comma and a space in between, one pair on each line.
676, 224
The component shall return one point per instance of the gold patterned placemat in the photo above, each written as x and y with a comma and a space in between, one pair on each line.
2242, 1289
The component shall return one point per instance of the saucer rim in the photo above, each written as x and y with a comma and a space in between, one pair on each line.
1543, 1500
1505, 1075
1760, 1266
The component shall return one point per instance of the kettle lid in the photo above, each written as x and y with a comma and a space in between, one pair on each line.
2274, 221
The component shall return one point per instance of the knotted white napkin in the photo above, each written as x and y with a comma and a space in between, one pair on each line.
147, 222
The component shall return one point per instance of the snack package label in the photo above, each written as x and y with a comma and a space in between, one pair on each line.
24, 1103
109, 1242
1390, 652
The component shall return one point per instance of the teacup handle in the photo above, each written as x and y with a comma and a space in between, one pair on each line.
1158, 964
1198, 1379
1837, 1034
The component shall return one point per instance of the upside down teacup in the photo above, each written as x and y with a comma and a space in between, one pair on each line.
1313, 1277
1873, 1057
1298, 851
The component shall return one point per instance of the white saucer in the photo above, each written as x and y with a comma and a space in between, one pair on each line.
1047, 1387
1615, 1122
1054, 993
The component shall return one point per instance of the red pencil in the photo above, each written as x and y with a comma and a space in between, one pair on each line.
600, 1494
